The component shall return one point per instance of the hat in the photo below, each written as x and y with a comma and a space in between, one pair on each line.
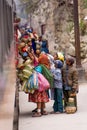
58, 63
60, 56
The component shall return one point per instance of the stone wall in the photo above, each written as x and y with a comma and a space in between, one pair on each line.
57, 16
44, 16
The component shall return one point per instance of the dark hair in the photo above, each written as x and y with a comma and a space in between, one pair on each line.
71, 60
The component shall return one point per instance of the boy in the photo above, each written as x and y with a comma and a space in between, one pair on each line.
58, 89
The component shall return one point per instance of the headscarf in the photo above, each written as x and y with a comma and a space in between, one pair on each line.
43, 59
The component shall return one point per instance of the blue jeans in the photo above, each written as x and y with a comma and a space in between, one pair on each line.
58, 103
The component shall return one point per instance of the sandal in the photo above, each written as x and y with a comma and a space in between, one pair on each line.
52, 112
37, 114
35, 110
44, 113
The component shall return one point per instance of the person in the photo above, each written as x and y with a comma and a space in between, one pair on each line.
39, 97
70, 81
43, 59
58, 89
44, 46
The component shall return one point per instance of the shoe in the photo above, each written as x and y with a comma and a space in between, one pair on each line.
37, 114
58, 112
35, 110
53, 112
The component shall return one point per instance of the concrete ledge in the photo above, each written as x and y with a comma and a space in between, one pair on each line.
7, 101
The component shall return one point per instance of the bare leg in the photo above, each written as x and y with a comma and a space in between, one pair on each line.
38, 113
43, 111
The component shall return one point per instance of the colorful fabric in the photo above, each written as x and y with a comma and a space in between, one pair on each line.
38, 97
43, 59
47, 74
27, 71
25, 89
38, 69
35, 62
43, 84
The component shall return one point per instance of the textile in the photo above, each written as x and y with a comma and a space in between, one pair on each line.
43, 59
47, 74
38, 97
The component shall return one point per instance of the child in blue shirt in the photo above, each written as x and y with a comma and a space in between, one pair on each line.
58, 89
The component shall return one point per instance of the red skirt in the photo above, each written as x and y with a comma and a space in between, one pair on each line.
38, 97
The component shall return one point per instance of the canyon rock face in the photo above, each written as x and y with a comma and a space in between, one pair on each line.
53, 19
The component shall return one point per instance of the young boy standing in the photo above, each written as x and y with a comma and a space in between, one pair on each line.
58, 90
70, 81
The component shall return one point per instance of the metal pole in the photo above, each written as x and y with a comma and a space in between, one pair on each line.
77, 36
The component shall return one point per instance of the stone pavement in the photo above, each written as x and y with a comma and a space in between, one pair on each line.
77, 121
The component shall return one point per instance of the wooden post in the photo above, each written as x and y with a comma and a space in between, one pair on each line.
77, 35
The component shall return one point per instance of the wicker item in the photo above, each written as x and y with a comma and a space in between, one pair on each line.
70, 108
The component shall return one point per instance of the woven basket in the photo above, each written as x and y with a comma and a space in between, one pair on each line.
70, 108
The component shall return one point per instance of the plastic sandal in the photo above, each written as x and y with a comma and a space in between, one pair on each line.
35, 110
37, 114
44, 113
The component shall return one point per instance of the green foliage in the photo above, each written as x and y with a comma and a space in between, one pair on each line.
70, 27
82, 26
85, 3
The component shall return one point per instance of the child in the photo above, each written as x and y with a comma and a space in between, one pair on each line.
58, 90
70, 81
59, 56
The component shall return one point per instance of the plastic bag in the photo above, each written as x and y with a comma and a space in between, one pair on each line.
43, 84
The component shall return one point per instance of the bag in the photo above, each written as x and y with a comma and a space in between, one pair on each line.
27, 71
24, 87
33, 81
48, 75
43, 84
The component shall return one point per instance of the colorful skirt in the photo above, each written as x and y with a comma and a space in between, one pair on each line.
38, 97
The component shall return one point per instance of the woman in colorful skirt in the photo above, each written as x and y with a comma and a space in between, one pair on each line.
40, 97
